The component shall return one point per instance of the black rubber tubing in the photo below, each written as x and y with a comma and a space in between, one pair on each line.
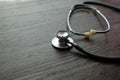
97, 57
103, 4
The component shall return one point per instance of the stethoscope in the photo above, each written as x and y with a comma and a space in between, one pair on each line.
63, 39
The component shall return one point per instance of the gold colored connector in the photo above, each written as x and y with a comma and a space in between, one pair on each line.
90, 33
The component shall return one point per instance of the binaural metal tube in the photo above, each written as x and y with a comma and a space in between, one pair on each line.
92, 9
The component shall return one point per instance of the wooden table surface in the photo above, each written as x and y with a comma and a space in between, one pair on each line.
27, 28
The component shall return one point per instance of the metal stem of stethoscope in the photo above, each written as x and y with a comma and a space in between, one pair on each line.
64, 41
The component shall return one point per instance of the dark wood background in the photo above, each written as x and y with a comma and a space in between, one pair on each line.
27, 28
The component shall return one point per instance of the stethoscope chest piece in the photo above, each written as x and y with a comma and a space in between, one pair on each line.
61, 41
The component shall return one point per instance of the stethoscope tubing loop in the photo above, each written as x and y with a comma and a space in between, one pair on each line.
69, 43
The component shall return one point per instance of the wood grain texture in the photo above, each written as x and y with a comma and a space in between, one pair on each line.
27, 28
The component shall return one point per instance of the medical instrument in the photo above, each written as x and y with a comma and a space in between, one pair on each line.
63, 39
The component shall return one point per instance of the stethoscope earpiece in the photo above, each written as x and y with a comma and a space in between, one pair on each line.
61, 41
